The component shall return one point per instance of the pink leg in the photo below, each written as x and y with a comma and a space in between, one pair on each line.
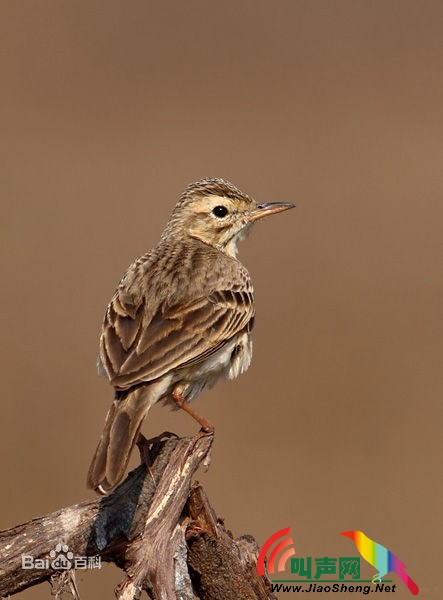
181, 403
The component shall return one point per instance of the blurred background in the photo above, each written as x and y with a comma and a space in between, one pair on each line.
107, 111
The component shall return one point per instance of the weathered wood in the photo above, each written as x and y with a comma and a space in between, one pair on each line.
219, 565
155, 526
150, 558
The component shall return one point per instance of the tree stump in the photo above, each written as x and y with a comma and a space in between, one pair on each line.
158, 526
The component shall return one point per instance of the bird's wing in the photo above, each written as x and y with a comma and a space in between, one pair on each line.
138, 346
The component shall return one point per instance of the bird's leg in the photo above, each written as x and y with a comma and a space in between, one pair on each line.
206, 427
180, 401
144, 446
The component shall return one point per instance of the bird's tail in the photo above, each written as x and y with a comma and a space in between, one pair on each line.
122, 425
409, 583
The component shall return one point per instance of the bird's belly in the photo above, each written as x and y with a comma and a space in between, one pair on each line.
228, 362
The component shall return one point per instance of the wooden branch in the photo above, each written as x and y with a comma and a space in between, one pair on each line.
156, 526
219, 566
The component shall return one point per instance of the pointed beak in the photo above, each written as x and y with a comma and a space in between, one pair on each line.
269, 208
349, 534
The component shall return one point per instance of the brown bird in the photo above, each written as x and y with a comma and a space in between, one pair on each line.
180, 318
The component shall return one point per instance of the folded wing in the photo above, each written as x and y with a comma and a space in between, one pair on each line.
138, 345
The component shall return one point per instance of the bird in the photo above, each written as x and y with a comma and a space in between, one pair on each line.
180, 318
381, 558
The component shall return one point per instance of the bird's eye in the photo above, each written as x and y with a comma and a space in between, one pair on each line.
220, 211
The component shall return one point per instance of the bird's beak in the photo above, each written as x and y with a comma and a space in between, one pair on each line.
269, 208
349, 534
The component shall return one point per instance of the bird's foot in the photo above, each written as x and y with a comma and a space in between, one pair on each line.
144, 447
190, 447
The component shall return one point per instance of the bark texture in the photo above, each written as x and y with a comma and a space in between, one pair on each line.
158, 526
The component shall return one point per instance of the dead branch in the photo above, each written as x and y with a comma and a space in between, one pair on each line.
156, 526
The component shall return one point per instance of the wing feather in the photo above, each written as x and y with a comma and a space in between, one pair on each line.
134, 351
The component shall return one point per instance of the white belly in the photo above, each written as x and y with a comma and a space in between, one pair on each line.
228, 362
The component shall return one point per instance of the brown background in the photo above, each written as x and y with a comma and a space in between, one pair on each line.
108, 109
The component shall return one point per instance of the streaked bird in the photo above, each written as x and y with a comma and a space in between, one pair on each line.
381, 558
180, 319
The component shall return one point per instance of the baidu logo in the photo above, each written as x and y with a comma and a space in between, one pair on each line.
61, 559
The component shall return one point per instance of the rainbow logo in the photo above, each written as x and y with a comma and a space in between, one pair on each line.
381, 558
279, 555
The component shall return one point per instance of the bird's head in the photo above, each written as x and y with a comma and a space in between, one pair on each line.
349, 534
218, 214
